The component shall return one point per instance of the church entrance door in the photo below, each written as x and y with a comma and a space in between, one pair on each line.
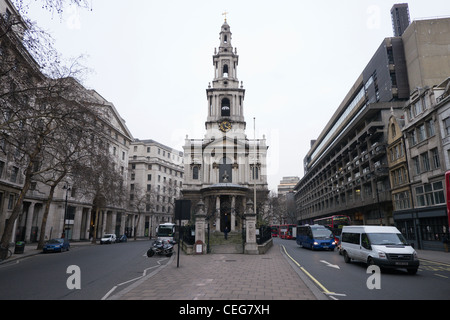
225, 213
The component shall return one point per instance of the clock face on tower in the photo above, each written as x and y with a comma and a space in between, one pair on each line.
225, 126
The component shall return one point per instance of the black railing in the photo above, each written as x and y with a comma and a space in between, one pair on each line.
265, 233
188, 234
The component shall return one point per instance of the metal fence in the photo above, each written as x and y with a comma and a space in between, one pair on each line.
265, 233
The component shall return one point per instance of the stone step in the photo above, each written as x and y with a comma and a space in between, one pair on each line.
233, 243
227, 248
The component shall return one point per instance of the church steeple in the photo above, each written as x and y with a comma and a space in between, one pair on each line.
225, 96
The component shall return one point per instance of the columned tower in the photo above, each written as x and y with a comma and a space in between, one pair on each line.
226, 95
225, 169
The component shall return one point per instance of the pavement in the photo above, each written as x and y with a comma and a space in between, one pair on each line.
271, 276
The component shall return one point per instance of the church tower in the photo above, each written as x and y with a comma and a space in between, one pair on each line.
226, 95
225, 171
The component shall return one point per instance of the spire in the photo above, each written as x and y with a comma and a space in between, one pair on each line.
225, 14
225, 38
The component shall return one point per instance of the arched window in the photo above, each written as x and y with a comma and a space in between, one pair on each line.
195, 173
225, 108
394, 133
225, 71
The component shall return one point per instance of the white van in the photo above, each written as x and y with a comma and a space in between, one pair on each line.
383, 246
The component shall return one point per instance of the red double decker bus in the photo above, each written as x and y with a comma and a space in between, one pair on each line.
288, 231
334, 223
447, 195
275, 230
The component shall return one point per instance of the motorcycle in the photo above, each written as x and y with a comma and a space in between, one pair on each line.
161, 247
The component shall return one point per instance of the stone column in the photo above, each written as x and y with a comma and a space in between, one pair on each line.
218, 213
29, 222
200, 226
88, 223
76, 231
251, 247
233, 213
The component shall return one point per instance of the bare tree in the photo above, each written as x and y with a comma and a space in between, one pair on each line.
53, 6
99, 179
44, 136
40, 105
277, 207
141, 201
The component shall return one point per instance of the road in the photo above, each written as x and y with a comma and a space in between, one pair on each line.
349, 281
103, 269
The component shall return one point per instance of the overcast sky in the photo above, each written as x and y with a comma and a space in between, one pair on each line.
297, 60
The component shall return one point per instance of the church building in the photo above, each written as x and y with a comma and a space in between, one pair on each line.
225, 172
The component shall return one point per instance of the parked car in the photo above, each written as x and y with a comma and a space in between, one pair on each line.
56, 245
108, 238
122, 238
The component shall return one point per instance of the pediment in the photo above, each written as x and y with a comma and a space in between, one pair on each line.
226, 142
110, 115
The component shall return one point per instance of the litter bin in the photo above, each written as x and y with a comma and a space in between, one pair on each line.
20, 247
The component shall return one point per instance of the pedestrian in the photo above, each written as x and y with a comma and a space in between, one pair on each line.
226, 233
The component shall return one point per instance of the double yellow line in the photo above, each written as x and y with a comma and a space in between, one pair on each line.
325, 290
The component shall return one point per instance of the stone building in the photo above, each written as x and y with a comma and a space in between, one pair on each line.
225, 171
70, 212
420, 210
155, 181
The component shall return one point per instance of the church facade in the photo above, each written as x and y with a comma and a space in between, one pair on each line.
225, 172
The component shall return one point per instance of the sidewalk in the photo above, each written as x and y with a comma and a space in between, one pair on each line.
436, 256
223, 277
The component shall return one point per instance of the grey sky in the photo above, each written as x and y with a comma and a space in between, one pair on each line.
297, 60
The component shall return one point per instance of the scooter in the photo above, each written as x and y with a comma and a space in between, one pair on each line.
161, 247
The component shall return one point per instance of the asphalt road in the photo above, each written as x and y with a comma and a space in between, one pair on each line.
349, 281
103, 270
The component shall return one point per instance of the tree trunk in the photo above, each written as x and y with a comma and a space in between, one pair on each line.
6, 237
44, 218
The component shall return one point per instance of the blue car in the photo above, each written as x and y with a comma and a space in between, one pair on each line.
56, 245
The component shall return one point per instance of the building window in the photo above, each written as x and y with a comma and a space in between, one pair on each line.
225, 108
14, 174
430, 194
255, 172
436, 161
401, 201
425, 161
416, 165
418, 108
195, 173
430, 128
413, 137
421, 133
447, 126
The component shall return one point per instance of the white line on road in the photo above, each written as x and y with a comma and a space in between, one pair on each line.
132, 280
330, 265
